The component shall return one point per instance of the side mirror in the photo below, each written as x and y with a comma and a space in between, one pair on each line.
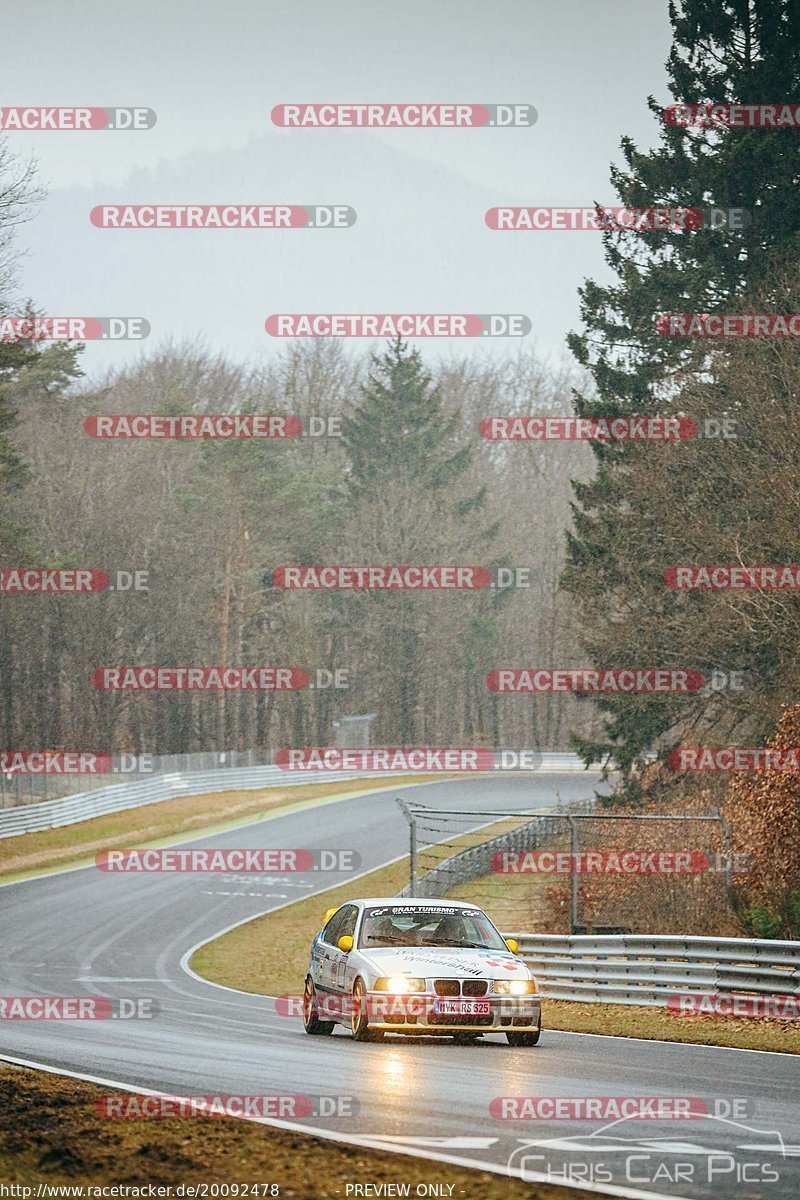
345, 943
513, 945
329, 914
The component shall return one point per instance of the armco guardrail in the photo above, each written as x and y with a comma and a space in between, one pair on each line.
52, 814
646, 970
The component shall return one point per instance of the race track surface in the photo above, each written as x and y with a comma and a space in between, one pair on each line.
87, 932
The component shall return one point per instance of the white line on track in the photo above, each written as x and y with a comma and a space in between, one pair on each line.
366, 1141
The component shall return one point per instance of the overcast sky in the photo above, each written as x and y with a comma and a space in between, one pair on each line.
214, 71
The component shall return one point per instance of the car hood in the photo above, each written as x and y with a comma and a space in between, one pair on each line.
446, 962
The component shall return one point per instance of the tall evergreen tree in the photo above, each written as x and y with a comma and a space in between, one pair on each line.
17, 196
400, 430
403, 448
724, 51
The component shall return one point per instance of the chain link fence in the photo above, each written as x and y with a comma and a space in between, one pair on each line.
18, 788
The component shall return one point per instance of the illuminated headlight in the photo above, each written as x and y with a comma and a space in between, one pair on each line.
514, 987
399, 984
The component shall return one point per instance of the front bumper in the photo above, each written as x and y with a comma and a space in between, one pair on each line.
415, 1013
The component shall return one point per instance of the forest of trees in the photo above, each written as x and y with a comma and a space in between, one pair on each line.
409, 481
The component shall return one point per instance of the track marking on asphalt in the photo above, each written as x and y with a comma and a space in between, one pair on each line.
256, 895
367, 1142
453, 1143
190, 953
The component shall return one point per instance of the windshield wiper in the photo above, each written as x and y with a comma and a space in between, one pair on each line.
453, 942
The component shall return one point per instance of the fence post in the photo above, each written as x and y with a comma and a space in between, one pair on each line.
726, 835
412, 845
573, 904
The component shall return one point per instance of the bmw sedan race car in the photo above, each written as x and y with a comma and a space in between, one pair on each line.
414, 967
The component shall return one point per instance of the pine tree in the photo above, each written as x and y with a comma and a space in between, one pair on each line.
409, 493
399, 430
13, 357
724, 51
17, 196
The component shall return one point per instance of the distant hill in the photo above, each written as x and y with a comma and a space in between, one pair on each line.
420, 244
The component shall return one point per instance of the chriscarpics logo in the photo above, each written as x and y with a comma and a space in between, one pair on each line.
627, 1153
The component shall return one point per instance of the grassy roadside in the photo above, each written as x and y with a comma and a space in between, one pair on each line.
246, 959
514, 903
50, 1133
74, 845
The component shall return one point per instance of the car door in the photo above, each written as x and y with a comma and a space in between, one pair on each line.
324, 950
341, 976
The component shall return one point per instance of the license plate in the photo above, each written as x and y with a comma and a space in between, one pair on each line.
462, 1008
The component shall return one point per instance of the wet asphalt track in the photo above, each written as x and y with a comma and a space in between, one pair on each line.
87, 932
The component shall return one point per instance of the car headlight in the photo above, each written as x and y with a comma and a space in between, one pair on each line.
514, 987
399, 984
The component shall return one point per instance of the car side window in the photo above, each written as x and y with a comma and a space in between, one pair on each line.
349, 924
335, 927
330, 933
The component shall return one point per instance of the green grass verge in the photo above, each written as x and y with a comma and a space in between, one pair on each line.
269, 956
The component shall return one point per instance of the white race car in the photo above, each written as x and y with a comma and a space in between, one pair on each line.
393, 965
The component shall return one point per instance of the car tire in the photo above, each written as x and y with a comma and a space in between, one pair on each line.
465, 1039
359, 1019
311, 1021
524, 1039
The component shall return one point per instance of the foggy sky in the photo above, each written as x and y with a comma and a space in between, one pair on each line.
214, 71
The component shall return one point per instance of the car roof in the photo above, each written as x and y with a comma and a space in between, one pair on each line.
412, 902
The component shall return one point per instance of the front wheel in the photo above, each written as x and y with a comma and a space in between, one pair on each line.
311, 1021
524, 1039
359, 1019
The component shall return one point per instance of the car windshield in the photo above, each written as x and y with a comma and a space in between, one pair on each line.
428, 926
